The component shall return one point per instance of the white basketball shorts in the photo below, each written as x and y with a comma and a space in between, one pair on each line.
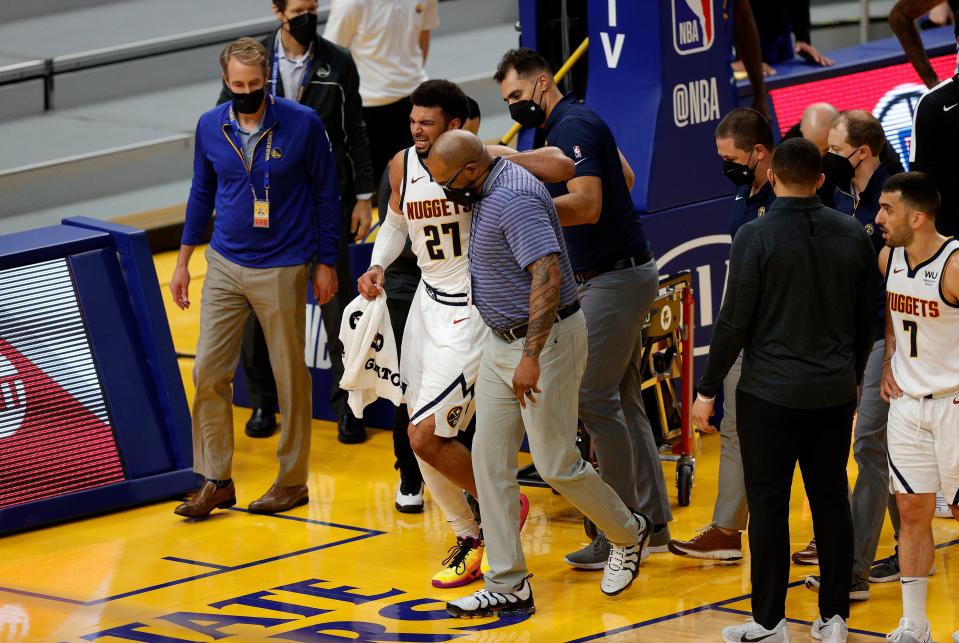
923, 439
439, 360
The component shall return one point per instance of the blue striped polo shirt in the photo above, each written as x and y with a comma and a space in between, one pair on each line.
513, 225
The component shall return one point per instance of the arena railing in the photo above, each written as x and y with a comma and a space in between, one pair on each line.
48, 69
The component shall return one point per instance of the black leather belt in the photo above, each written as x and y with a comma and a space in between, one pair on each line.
628, 262
518, 332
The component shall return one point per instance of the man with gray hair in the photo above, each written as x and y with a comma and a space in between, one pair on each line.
530, 371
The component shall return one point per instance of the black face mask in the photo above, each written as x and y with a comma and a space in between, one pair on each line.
528, 113
303, 28
248, 103
838, 170
465, 196
740, 174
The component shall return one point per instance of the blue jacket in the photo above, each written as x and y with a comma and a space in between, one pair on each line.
304, 192
866, 207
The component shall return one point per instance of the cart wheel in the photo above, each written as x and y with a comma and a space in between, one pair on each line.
589, 528
684, 483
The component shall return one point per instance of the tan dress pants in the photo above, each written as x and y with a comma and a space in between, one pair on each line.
278, 297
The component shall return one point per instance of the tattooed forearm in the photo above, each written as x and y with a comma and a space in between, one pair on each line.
543, 302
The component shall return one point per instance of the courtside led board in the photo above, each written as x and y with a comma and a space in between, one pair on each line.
93, 415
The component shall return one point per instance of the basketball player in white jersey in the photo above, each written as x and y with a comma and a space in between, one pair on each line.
444, 334
920, 379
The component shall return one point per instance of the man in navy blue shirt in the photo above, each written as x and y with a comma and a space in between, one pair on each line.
618, 282
744, 142
856, 140
266, 166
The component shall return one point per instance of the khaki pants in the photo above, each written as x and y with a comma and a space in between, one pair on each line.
278, 297
550, 424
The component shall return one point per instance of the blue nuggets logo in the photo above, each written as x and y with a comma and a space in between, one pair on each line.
694, 29
895, 111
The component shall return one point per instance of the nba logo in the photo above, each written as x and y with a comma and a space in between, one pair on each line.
693, 26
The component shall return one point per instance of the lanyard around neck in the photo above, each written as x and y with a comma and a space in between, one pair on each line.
266, 158
276, 69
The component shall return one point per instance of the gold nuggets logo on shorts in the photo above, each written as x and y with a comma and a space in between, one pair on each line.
761, 211
870, 229
453, 416
277, 153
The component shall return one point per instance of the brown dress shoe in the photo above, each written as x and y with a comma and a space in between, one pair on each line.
710, 544
807, 556
279, 499
208, 498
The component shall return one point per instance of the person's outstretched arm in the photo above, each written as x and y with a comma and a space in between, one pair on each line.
902, 20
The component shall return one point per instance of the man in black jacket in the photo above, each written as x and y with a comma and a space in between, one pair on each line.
317, 73
801, 304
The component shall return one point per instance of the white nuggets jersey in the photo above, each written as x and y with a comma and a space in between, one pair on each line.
926, 361
439, 229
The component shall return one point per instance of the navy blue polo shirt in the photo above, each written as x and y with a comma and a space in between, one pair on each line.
584, 137
865, 206
747, 207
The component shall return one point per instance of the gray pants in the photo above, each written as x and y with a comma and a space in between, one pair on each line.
870, 496
550, 425
730, 510
610, 400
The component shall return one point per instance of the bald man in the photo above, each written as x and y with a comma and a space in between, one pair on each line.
816, 121
530, 370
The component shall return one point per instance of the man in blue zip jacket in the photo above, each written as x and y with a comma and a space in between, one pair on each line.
266, 166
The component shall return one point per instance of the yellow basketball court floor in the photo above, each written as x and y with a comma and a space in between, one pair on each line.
348, 567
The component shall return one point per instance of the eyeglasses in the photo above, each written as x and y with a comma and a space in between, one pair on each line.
456, 174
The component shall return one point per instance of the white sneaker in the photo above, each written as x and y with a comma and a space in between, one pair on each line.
409, 497
485, 603
834, 630
908, 632
753, 631
942, 507
622, 566
955, 637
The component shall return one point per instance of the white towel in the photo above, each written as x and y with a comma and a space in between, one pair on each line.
370, 362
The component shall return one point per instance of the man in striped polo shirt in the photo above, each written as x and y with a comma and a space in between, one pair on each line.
530, 371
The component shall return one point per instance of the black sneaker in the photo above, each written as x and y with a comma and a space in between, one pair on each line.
409, 496
886, 570
484, 603
858, 591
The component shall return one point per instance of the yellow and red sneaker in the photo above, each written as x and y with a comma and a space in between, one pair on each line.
462, 566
